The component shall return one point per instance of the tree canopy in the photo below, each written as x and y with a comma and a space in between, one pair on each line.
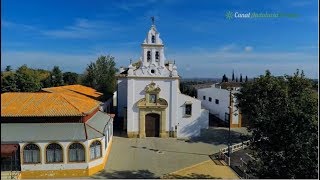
26, 79
56, 77
100, 75
224, 78
70, 78
283, 118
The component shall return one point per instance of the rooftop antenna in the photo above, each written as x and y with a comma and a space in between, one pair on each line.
130, 60
152, 20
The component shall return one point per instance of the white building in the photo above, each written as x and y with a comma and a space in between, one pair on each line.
57, 133
219, 99
149, 98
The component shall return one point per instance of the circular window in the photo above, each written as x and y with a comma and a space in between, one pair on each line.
152, 71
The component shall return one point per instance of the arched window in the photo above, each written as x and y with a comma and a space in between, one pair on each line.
76, 153
157, 56
153, 39
31, 154
148, 55
54, 153
95, 150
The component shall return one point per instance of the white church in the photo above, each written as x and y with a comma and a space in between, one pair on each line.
149, 99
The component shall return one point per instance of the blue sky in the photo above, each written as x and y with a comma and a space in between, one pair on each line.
196, 34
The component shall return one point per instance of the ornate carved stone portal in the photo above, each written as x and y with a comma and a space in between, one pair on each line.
152, 104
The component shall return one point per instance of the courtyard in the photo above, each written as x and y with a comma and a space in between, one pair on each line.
157, 157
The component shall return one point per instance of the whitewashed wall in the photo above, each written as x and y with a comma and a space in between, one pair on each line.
169, 89
215, 93
199, 119
58, 166
65, 165
121, 95
98, 161
220, 109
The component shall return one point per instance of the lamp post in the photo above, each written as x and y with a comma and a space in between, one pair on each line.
230, 115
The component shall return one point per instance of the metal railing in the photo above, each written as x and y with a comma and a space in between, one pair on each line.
233, 148
244, 168
225, 158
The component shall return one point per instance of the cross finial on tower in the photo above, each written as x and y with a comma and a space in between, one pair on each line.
152, 20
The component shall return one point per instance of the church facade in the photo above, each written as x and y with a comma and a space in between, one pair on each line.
149, 99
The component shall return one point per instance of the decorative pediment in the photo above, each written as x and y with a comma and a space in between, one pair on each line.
161, 103
151, 88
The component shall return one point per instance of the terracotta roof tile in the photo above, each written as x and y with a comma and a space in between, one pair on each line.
46, 104
69, 100
76, 88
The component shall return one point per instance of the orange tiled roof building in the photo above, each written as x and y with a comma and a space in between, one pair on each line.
61, 129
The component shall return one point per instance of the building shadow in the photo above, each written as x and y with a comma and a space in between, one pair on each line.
189, 176
219, 136
213, 135
134, 174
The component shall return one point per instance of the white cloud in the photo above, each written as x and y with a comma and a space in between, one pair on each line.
81, 29
228, 47
13, 25
248, 48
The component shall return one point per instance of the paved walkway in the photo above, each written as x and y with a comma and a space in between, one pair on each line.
154, 157
205, 170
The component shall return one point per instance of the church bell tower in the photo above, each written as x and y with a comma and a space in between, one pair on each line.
153, 49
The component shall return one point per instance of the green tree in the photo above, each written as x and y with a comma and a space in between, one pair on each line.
89, 77
8, 68
27, 79
224, 78
233, 75
56, 77
283, 119
240, 77
246, 79
9, 83
70, 78
101, 75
